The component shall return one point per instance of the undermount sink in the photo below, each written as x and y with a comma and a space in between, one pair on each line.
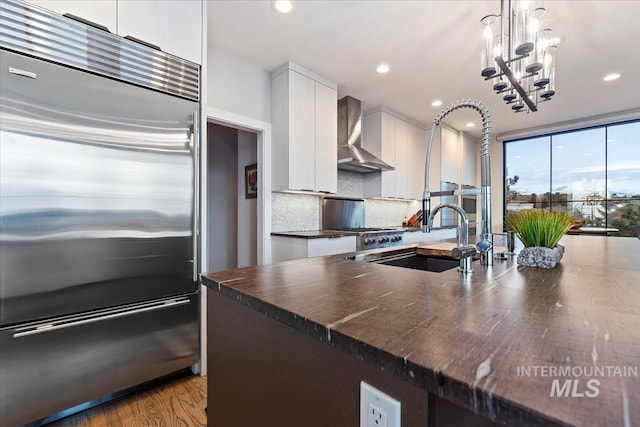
425, 263
409, 258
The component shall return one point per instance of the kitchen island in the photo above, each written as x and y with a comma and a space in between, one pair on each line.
289, 343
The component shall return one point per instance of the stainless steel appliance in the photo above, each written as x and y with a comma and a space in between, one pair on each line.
469, 202
98, 289
448, 218
343, 214
351, 155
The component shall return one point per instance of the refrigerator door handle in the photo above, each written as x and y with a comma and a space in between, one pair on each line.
97, 317
195, 146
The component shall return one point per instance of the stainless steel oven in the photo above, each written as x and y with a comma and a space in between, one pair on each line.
469, 202
345, 214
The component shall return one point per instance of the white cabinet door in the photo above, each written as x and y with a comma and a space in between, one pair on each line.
332, 246
173, 25
417, 152
326, 137
302, 134
289, 248
101, 12
388, 154
304, 118
450, 161
403, 172
470, 155
434, 164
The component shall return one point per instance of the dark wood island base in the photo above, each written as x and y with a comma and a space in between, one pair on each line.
289, 343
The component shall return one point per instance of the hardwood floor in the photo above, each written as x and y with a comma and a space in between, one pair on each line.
179, 402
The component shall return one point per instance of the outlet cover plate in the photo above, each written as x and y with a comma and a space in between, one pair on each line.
370, 396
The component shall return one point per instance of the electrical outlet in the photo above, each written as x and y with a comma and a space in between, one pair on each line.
377, 409
376, 417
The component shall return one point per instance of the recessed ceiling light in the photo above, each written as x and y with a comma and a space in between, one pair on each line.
382, 69
470, 124
283, 6
611, 77
436, 103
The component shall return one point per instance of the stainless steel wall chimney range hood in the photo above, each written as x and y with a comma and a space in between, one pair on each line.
351, 156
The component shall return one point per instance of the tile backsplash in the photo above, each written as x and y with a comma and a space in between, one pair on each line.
295, 212
388, 213
302, 212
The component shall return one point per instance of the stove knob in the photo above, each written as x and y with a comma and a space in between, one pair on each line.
396, 238
368, 241
383, 239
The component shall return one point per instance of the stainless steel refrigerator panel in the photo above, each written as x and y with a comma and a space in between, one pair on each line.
96, 192
52, 366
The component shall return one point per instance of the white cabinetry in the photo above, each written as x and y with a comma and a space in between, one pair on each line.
459, 157
173, 25
288, 248
304, 115
102, 12
402, 145
470, 158
450, 156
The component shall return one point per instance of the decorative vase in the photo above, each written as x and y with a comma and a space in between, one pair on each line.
541, 257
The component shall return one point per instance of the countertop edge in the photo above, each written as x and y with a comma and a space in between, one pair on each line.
495, 408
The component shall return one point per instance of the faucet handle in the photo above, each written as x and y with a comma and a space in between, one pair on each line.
463, 252
484, 245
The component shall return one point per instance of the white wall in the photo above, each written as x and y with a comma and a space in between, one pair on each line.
236, 86
222, 177
247, 208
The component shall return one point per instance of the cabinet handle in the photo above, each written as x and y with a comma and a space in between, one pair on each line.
92, 318
86, 22
142, 42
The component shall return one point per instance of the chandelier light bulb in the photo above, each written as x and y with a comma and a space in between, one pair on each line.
519, 53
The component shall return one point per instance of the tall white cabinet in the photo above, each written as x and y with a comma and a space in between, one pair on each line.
304, 117
401, 144
459, 158
173, 25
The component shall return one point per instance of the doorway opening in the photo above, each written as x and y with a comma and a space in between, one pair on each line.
232, 219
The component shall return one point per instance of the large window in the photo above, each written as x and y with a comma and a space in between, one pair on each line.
593, 174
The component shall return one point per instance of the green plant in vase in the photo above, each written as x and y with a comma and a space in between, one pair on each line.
540, 232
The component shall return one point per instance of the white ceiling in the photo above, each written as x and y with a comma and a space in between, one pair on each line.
433, 48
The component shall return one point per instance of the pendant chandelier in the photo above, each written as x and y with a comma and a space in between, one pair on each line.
518, 54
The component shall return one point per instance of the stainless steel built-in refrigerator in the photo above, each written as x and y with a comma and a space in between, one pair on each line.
97, 204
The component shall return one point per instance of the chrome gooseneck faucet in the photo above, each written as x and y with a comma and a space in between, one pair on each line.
465, 252
485, 245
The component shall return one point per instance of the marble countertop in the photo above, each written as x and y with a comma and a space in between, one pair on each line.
322, 234
517, 345
313, 234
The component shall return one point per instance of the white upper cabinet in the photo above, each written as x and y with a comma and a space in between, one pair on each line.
304, 114
417, 154
459, 157
101, 12
400, 144
173, 25
470, 157
326, 145
451, 154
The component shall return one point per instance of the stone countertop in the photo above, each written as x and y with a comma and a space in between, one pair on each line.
496, 342
323, 234
313, 234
